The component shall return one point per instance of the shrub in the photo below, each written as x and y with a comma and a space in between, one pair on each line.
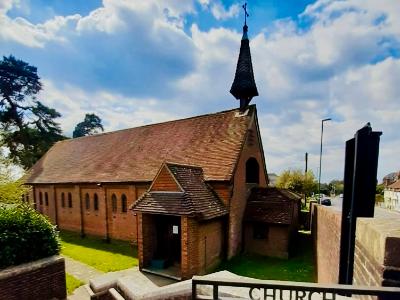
25, 235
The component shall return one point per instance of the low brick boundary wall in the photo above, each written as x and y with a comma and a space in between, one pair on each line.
42, 279
377, 251
326, 224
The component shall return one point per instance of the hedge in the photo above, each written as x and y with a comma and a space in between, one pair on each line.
25, 235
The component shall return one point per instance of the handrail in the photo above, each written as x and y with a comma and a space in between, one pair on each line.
264, 285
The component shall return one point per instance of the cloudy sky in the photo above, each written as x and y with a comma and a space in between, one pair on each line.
138, 62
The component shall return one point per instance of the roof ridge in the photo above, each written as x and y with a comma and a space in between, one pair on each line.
153, 124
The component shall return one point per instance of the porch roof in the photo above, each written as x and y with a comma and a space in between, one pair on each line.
196, 200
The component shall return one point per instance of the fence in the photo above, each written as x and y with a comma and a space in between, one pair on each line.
281, 290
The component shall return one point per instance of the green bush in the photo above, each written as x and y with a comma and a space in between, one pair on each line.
25, 235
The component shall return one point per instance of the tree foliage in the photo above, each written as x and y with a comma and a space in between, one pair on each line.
28, 127
336, 186
297, 181
11, 190
90, 125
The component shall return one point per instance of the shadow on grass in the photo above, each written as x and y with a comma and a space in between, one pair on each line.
299, 267
114, 246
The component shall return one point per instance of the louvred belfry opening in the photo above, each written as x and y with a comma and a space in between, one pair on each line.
244, 86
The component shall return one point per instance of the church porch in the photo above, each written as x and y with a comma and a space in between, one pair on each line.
168, 245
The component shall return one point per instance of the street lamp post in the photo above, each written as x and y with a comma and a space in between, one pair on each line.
320, 159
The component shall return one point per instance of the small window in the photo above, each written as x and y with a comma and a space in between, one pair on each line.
95, 202
62, 199
114, 203
87, 201
27, 198
69, 200
46, 199
123, 203
260, 231
40, 198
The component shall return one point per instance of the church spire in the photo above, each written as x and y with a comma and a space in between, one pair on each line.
244, 87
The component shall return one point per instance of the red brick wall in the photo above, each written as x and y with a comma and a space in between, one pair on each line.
210, 243
94, 221
252, 148
376, 258
48, 210
147, 239
326, 223
190, 248
68, 218
276, 244
223, 190
122, 226
42, 279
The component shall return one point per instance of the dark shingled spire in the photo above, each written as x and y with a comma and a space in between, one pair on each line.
244, 87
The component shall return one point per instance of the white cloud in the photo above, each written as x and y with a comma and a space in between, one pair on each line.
116, 111
220, 13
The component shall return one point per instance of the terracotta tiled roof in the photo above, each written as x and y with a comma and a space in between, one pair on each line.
197, 199
395, 185
211, 141
271, 205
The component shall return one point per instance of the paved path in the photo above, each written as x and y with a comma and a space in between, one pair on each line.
80, 270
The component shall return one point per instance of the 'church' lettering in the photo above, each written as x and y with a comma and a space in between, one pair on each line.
277, 294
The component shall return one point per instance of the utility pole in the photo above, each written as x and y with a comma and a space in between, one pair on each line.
320, 160
305, 178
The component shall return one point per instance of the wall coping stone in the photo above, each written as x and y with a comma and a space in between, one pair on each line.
30, 266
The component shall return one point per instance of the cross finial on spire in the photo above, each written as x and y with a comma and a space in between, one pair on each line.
245, 13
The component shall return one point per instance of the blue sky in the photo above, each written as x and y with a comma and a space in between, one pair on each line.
140, 62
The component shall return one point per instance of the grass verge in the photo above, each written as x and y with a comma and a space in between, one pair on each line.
72, 283
299, 267
106, 257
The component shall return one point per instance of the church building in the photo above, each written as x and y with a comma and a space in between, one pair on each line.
177, 189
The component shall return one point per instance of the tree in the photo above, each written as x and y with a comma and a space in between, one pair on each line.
90, 125
336, 186
28, 127
297, 181
11, 190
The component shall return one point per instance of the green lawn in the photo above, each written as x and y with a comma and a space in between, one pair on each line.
299, 267
72, 283
106, 257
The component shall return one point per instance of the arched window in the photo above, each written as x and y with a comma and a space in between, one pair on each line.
123, 203
87, 201
95, 202
62, 200
40, 198
114, 203
27, 198
70, 200
46, 199
252, 171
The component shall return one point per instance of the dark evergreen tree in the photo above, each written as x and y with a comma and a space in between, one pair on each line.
28, 127
90, 125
